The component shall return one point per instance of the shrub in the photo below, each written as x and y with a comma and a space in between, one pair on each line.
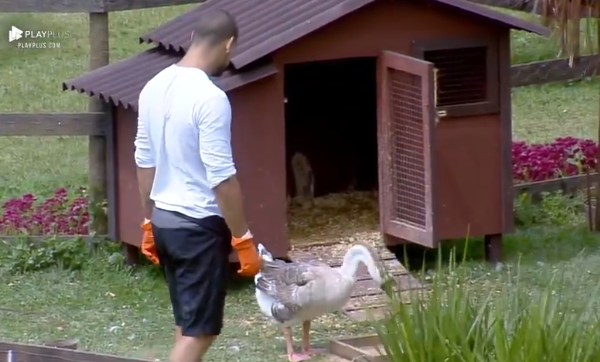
460, 321
61, 214
553, 208
25, 255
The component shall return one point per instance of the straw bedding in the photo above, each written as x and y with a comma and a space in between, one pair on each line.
345, 217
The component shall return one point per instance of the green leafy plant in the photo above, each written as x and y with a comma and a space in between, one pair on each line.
456, 320
553, 208
24, 254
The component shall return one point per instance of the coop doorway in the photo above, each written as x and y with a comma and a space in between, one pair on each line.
331, 150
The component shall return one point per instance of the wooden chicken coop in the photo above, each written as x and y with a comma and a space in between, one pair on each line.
412, 97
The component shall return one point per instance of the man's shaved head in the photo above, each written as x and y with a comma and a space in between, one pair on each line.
212, 41
215, 27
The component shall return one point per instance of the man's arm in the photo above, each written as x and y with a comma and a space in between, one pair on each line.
144, 159
214, 122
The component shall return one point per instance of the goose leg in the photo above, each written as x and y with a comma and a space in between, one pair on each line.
306, 347
289, 344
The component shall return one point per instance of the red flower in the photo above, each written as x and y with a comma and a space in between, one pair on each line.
59, 214
565, 156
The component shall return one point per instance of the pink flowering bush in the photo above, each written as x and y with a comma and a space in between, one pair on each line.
56, 215
61, 214
565, 156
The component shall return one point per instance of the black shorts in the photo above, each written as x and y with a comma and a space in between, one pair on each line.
194, 254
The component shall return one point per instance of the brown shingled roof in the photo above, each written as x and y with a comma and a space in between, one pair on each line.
268, 25
122, 82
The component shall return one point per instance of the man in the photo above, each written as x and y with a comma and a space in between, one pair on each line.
188, 185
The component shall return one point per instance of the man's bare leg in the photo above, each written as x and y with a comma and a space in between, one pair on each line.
178, 334
190, 349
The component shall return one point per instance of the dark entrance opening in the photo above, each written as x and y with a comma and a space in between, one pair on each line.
331, 120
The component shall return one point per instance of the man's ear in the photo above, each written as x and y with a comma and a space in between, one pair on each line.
229, 44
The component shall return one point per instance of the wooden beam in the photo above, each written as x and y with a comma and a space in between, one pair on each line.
97, 152
120, 5
597, 178
33, 353
51, 6
568, 185
111, 175
52, 124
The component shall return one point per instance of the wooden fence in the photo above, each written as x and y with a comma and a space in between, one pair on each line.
97, 124
547, 71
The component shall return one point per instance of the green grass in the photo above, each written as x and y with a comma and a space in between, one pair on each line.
114, 310
465, 318
542, 113
117, 311
539, 306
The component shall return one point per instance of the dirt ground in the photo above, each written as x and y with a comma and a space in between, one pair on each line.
330, 358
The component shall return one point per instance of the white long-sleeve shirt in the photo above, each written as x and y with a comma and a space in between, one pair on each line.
184, 130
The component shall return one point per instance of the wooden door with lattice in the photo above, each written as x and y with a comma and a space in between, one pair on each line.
406, 135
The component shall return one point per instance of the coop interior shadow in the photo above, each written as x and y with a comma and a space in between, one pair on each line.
331, 118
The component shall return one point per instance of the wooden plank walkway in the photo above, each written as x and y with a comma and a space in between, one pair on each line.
368, 300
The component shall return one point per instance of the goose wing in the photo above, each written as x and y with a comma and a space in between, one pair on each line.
283, 281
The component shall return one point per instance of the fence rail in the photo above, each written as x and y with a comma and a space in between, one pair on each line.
84, 6
53, 124
554, 70
567, 185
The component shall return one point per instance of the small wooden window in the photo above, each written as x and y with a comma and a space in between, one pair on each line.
466, 75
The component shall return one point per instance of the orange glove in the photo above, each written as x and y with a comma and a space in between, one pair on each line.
247, 255
148, 247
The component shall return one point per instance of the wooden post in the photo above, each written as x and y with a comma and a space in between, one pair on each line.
597, 208
97, 178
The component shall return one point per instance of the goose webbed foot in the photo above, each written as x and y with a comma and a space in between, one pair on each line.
289, 344
297, 357
306, 347
313, 351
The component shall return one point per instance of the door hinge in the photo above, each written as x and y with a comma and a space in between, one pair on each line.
442, 113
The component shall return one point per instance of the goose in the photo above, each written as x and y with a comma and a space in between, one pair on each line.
298, 292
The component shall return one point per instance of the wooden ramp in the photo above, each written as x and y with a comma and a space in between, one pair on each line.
368, 300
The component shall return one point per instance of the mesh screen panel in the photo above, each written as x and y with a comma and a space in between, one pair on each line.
409, 204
